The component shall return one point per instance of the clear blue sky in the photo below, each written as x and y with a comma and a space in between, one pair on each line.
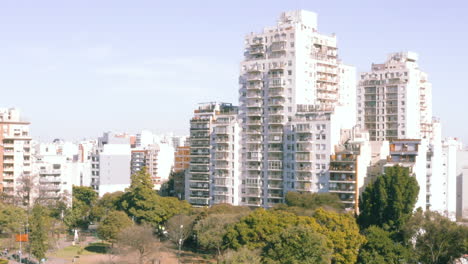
78, 68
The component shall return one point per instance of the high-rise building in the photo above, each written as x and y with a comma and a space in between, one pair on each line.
202, 160
291, 76
15, 150
226, 153
395, 99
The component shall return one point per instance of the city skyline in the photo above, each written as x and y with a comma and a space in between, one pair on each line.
88, 74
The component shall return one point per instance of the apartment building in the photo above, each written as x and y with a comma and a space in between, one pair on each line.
411, 153
226, 153
201, 169
15, 150
395, 99
287, 68
348, 167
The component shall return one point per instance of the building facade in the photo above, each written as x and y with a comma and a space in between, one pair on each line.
15, 150
395, 99
203, 140
286, 69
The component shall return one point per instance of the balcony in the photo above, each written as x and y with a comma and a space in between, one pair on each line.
257, 41
256, 68
277, 82
279, 39
278, 66
254, 104
276, 92
254, 95
305, 168
254, 86
257, 50
254, 168
258, 158
254, 122
254, 112
276, 102
278, 47
254, 77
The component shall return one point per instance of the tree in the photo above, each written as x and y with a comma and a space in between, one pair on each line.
83, 200
142, 202
211, 230
10, 218
389, 201
343, 234
435, 238
179, 228
314, 200
297, 244
140, 239
39, 231
241, 256
256, 229
167, 188
112, 225
107, 203
85, 194
380, 248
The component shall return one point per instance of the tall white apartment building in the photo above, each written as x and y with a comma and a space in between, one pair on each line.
395, 99
207, 147
288, 68
15, 150
226, 149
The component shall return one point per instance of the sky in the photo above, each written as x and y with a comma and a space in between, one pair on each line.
78, 68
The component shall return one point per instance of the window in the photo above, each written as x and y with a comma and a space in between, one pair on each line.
289, 72
292, 44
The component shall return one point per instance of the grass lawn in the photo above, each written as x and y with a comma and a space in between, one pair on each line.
69, 252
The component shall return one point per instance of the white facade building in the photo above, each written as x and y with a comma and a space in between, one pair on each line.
15, 150
395, 99
114, 163
207, 173
287, 69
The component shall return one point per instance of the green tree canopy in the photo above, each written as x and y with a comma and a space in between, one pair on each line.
435, 238
297, 245
314, 200
211, 230
84, 194
257, 228
389, 201
108, 202
343, 234
142, 202
380, 248
112, 225
10, 218
39, 231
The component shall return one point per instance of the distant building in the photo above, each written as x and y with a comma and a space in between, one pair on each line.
202, 160
15, 150
395, 99
114, 163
